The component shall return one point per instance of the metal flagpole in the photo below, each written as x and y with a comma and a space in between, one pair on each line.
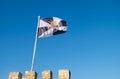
34, 51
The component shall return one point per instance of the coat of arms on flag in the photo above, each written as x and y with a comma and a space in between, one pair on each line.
51, 26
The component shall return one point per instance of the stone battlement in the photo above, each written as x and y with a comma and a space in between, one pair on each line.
46, 74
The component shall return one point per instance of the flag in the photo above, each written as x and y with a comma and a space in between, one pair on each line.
51, 26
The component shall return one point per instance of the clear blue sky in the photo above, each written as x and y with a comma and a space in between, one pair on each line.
90, 48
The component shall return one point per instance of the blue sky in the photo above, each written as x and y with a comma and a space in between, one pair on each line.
90, 48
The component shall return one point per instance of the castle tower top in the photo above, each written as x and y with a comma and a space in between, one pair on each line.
30, 75
64, 74
15, 75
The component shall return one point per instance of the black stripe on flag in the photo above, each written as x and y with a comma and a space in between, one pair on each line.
41, 30
58, 32
63, 23
48, 20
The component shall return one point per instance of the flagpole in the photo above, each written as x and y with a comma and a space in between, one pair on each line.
34, 51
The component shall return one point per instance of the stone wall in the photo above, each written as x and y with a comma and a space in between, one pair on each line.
64, 74
15, 75
46, 74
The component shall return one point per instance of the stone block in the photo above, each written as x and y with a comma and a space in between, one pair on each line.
64, 74
15, 75
46, 74
30, 75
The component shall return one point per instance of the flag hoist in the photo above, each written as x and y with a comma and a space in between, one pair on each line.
48, 27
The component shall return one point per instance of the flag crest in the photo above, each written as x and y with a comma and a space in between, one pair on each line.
51, 26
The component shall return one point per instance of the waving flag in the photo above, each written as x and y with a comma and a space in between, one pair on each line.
51, 26
48, 27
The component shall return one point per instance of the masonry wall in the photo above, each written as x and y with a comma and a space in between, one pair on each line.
15, 75
46, 74
30, 75
64, 74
